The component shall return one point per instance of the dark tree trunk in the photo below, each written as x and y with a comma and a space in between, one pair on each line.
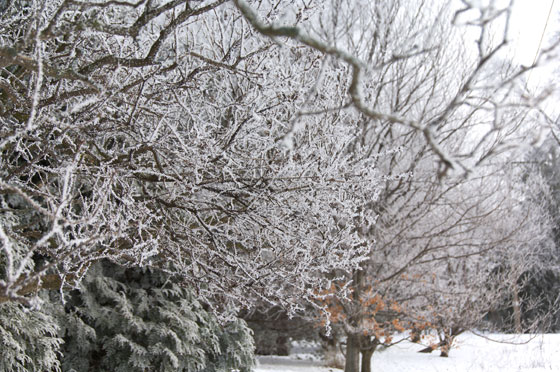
516, 309
354, 340
444, 346
352, 353
282, 345
368, 345
445, 343
329, 342
366, 359
415, 335
429, 349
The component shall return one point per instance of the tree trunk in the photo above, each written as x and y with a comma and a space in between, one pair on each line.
446, 342
352, 353
516, 309
429, 349
366, 359
49, 281
446, 346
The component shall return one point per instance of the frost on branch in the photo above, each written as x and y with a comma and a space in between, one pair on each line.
139, 133
215, 140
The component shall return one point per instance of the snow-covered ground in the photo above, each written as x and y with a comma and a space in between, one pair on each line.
471, 354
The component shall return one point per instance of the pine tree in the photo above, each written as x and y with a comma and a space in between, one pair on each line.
29, 340
132, 319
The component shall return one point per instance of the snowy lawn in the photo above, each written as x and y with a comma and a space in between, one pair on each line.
471, 354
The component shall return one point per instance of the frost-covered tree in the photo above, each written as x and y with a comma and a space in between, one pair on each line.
497, 232
30, 341
442, 260
538, 284
403, 60
153, 131
29, 337
244, 141
138, 319
544, 162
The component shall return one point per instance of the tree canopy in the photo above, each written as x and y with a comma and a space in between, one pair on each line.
252, 144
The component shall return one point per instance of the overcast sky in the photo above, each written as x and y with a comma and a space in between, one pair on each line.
528, 23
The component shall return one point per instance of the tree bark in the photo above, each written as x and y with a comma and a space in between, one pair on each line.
352, 363
445, 352
366, 359
516, 309
429, 349
48, 281
446, 345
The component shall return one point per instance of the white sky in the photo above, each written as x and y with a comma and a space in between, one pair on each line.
527, 26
